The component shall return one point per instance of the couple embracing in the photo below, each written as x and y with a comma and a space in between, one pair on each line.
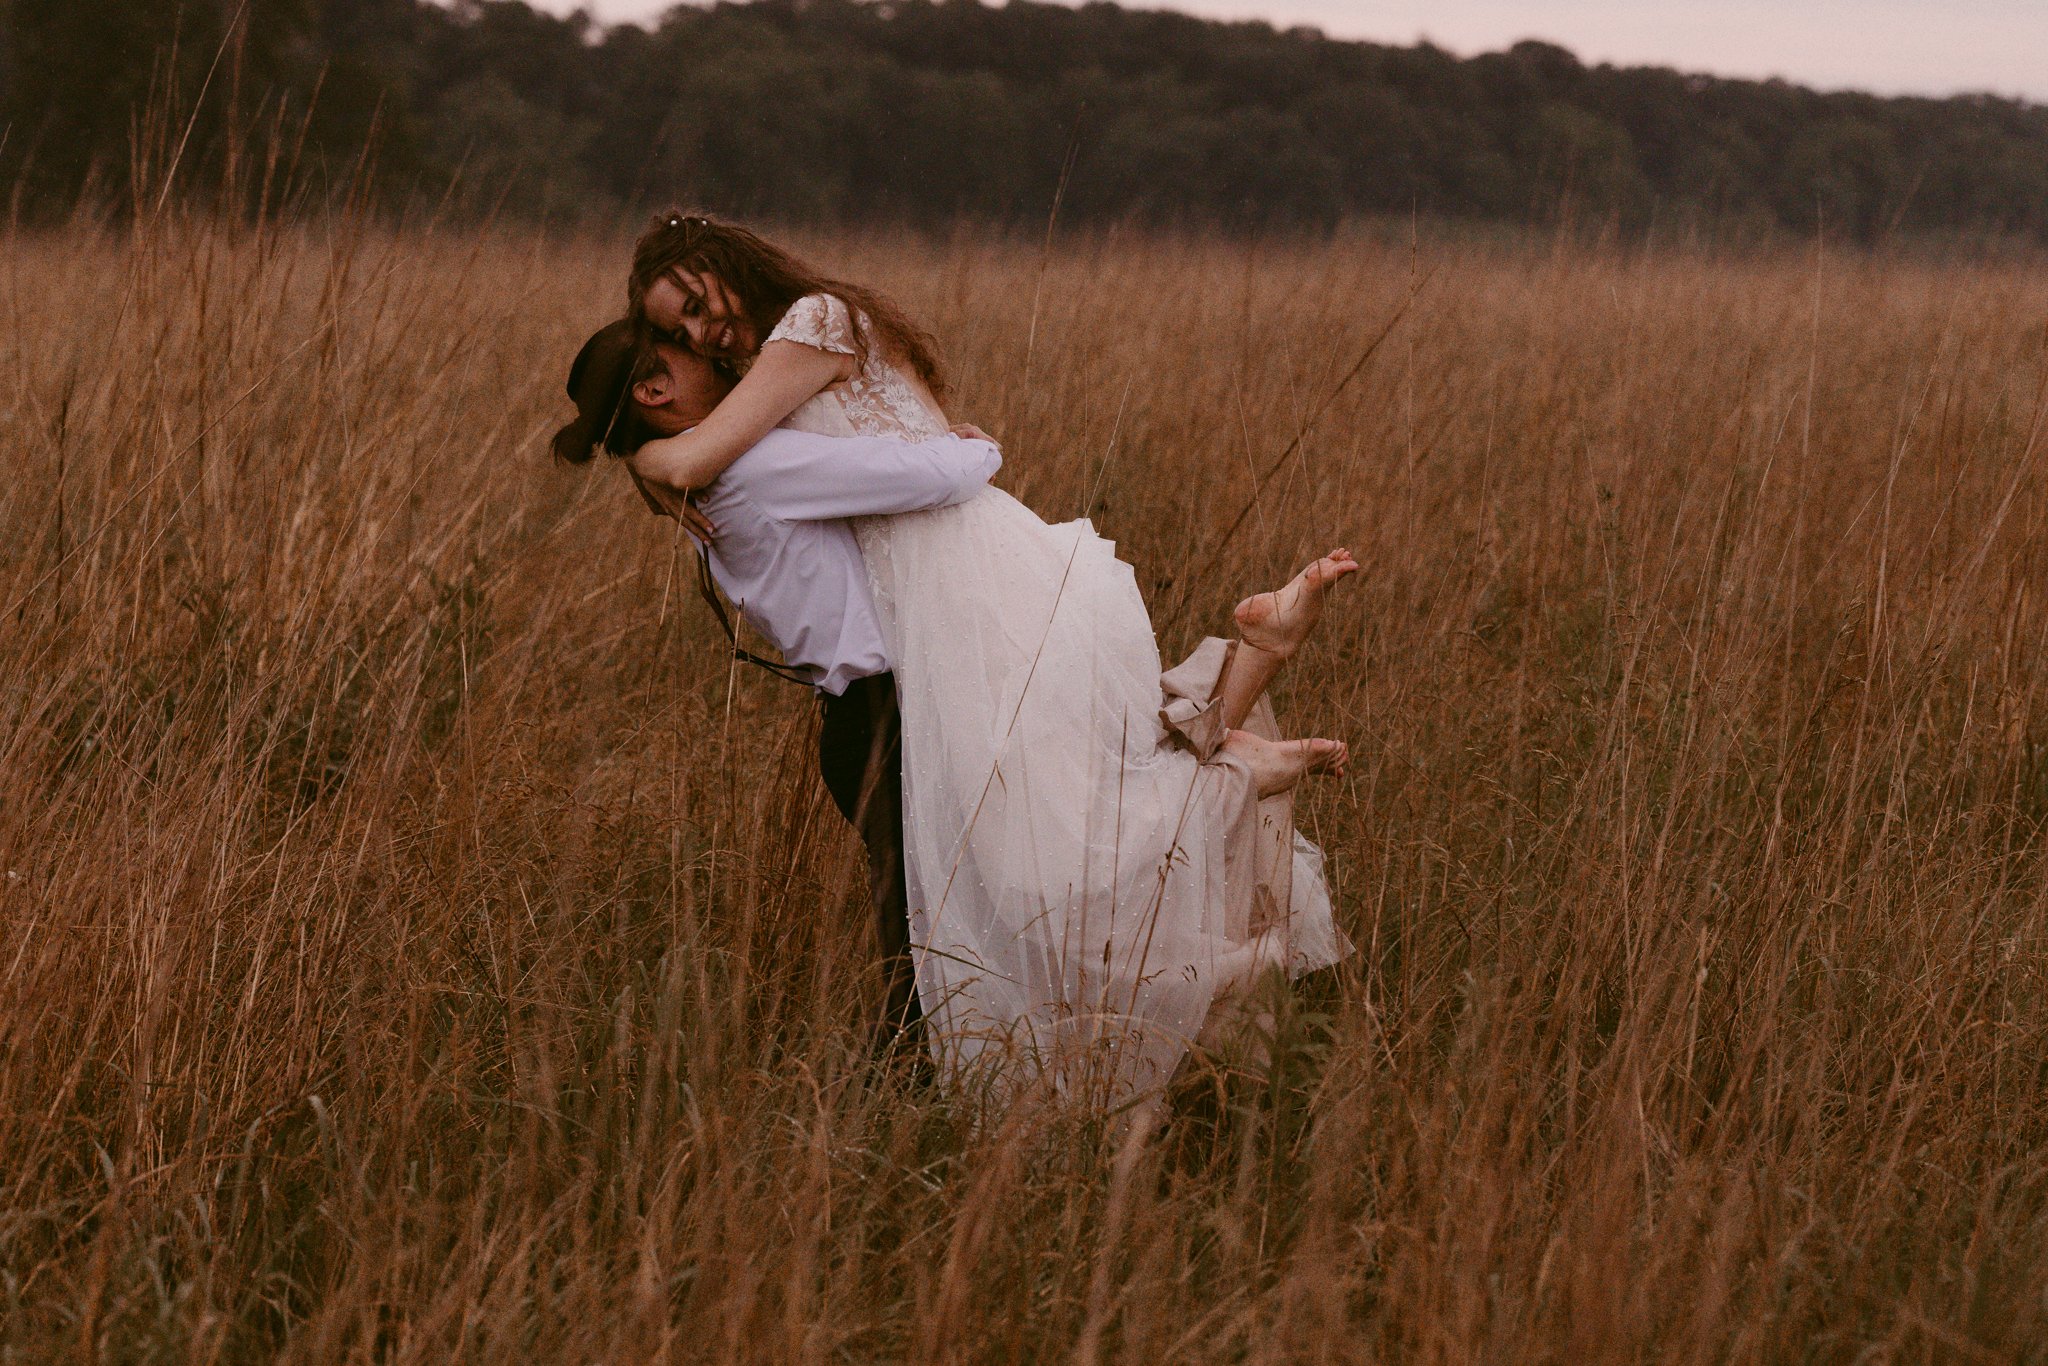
1078, 860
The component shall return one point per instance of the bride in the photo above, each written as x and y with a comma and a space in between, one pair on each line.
1099, 856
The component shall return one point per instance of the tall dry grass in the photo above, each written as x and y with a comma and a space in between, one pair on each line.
417, 945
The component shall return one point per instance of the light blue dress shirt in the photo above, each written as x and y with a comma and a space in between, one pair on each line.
786, 556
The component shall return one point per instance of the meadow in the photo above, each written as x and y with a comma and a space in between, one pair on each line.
420, 943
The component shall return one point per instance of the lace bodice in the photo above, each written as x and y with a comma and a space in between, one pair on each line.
880, 399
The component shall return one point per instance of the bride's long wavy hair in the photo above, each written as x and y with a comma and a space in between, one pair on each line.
766, 280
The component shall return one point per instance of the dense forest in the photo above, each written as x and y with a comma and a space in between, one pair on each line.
886, 110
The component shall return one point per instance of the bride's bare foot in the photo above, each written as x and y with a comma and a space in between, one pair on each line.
1277, 765
1279, 622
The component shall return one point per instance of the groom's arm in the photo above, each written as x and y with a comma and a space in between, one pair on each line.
801, 477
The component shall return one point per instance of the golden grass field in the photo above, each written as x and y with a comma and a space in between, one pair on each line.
418, 945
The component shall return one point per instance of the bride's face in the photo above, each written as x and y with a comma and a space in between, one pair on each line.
697, 305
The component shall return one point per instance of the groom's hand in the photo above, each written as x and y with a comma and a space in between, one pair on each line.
967, 431
664, 501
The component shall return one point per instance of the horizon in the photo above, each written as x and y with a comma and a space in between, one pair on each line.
1883, 47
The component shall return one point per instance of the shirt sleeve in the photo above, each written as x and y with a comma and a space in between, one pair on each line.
801, 477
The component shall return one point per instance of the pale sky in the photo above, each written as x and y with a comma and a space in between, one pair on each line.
1933, 47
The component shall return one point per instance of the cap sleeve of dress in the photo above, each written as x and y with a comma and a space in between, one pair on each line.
820, 320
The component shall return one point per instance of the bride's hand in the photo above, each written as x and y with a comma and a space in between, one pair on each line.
967, 431
674, 462
664, 501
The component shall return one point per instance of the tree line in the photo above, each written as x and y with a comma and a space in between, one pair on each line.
937, 110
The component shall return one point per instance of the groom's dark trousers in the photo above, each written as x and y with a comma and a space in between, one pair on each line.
860, 754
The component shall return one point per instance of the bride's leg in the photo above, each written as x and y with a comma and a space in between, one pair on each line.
1271, 626
1245, 680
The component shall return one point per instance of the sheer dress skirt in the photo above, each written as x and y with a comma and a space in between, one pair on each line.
1085, 870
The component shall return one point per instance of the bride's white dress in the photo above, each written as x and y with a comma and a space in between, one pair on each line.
1081, 883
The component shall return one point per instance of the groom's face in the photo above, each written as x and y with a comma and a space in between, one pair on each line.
681, 393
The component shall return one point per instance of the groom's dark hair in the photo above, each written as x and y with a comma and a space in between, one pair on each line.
618, 356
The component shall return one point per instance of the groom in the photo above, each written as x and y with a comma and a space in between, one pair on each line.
777, 541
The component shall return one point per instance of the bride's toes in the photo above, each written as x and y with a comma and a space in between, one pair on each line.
1334, 565
1318, 577
1325, 756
